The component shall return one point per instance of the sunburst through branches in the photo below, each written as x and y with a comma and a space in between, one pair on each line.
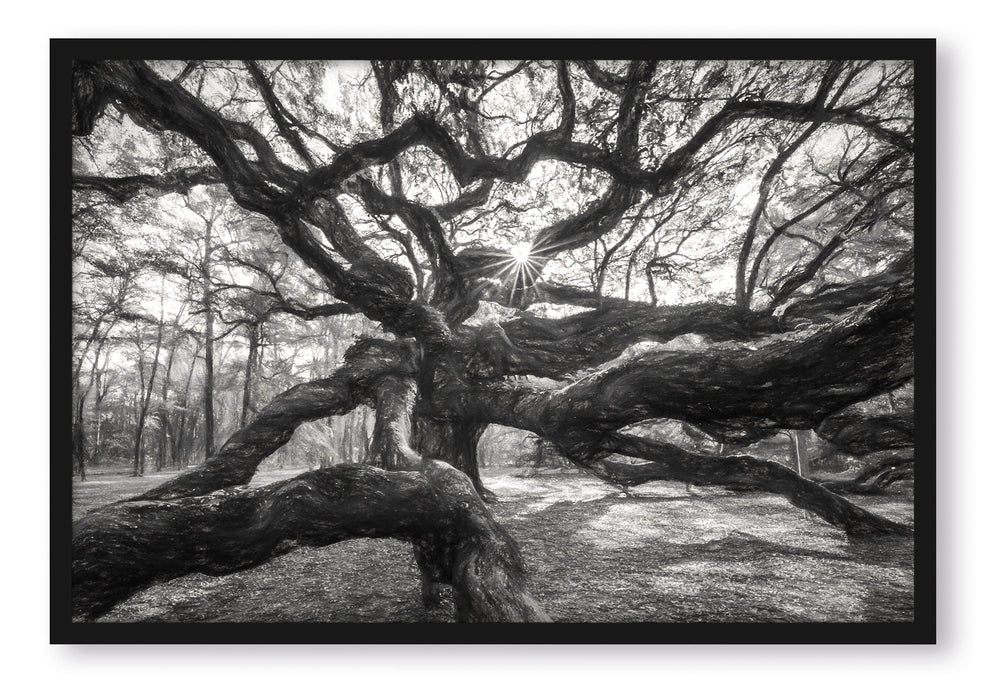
523, 266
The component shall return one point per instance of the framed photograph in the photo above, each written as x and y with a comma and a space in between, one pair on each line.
365, 338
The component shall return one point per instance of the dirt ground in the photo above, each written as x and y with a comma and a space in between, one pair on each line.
594, 554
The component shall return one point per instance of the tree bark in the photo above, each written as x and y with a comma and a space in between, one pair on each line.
454, 442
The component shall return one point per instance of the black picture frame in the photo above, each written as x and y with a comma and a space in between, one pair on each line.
920, 631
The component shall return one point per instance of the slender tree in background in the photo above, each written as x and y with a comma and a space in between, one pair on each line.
568, 248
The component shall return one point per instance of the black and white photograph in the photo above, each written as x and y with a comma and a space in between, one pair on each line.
558, 333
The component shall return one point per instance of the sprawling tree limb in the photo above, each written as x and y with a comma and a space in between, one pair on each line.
122, 189
603, 78
734, 393
382, 291
877, 471
162, 105
671, 463
875, 480
281, 116
882, 443
529, 345
833, 300
125, 547
467, 200
236, 462
308, 313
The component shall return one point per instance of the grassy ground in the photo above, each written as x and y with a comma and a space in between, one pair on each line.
594, 554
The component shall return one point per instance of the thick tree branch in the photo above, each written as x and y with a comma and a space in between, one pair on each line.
122, 189
309, 313
671, 463
280, 115
125, 547
236, 462
736, 393
163, 105
559, 347
602, 78
830, 300
879, 470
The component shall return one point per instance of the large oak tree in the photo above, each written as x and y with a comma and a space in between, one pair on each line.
565, 247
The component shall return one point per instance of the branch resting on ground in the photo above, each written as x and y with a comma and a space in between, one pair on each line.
127, 546
671, 463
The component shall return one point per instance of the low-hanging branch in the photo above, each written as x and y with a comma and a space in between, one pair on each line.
878, 471
236, 462
125, 547
671, 463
